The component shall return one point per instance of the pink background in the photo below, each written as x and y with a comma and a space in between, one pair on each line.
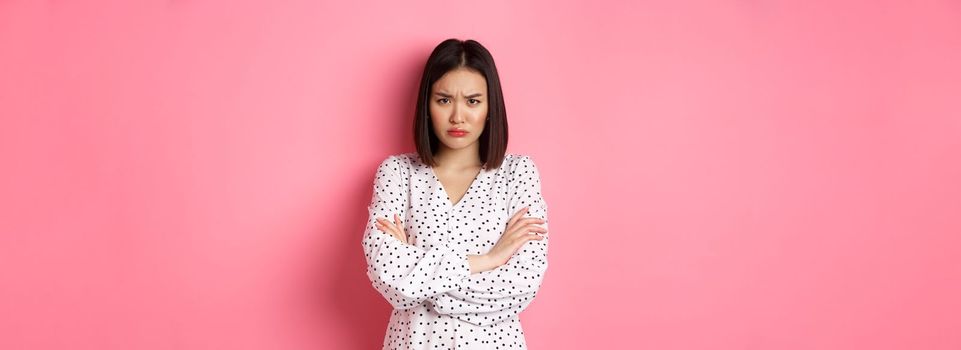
721, 174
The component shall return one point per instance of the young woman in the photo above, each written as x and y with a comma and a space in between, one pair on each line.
457, 239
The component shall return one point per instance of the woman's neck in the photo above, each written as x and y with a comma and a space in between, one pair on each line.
464, 158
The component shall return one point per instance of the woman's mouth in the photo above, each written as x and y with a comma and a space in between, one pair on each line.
456, 133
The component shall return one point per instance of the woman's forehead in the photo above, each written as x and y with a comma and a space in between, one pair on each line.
460, 81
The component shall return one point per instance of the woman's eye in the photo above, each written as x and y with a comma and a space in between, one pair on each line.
473, 101
443, 100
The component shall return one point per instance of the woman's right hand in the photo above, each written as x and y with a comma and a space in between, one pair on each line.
519, 230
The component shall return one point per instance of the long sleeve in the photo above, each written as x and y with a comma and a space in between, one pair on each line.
404, 274
491, 296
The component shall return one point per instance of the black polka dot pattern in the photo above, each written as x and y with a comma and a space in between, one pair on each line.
438, 303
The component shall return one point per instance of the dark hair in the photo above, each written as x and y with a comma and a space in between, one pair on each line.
451, 54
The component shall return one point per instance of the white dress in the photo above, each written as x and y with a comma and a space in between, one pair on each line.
437, 303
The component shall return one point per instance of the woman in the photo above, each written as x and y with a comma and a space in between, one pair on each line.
457, 239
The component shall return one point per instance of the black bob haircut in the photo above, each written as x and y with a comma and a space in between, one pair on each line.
449, 55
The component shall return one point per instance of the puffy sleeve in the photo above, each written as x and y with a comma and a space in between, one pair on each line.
404, 274
495, 295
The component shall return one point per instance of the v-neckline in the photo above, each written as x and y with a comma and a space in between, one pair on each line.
444, 189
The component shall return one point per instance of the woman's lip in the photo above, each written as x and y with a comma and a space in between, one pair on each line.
456, 132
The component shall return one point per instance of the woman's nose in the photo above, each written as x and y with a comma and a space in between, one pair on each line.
455, 115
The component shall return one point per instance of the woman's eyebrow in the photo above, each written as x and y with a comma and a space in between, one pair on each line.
444, 94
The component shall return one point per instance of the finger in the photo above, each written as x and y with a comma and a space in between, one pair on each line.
517, 215
516, 218
531, 220
519, 242
535, 236
529, 238
400, 227
532, 228
526, 221
385, 222
393, 232
525, 230
382, 225
388, 227
384, 228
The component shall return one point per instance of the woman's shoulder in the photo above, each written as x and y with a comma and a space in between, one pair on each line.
398, 162
519, 164
407, 157
518, 159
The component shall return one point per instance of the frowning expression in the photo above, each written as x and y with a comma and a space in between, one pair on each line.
459, 103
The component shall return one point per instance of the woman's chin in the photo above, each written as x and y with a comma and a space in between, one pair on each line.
458, 144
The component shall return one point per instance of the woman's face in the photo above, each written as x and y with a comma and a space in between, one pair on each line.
459, 101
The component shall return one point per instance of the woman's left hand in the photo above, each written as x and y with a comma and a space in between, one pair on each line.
395, 228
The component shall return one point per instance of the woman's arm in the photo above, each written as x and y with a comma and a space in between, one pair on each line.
491, 296
480, 263
404, 274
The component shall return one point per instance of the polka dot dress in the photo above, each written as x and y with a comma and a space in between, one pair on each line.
438, 303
